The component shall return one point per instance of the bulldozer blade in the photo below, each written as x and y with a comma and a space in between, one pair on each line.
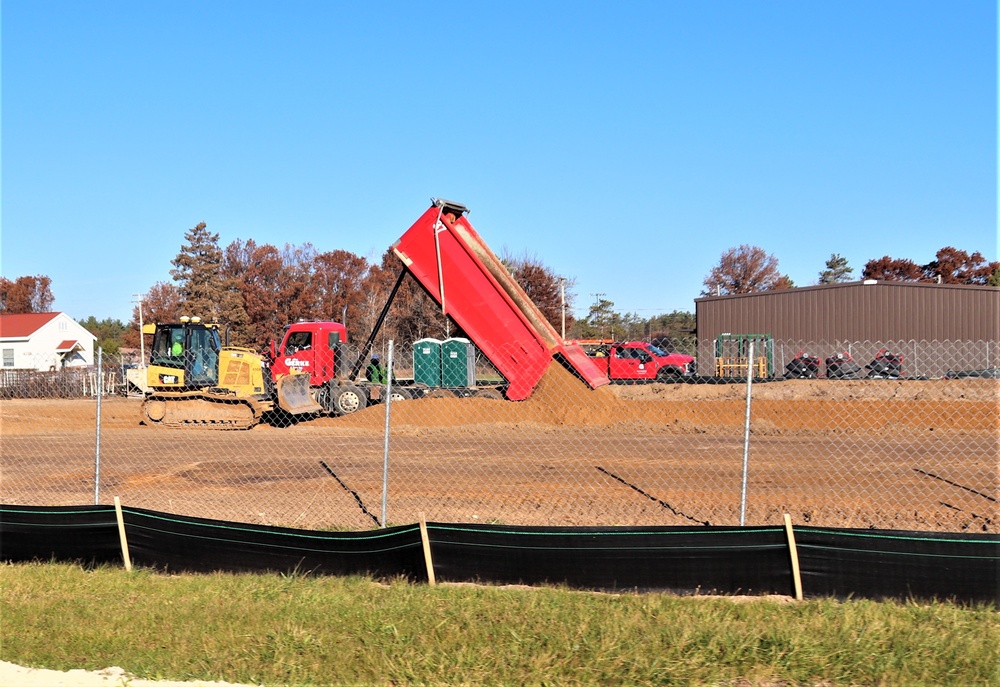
294, 397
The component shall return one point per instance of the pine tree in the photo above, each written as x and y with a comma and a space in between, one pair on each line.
837, 270
204, 289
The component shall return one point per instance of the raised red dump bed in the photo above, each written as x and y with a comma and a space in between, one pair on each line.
458, 269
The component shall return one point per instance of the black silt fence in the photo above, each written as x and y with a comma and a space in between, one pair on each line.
685, 560
842, 563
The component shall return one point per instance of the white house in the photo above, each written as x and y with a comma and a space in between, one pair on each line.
44, 341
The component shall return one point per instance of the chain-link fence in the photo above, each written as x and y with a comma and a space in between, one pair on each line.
917, 451
68, 382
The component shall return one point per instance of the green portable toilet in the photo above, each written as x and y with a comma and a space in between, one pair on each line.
427, 362
458, 363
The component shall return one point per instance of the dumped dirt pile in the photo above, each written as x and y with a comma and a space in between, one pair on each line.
562, 400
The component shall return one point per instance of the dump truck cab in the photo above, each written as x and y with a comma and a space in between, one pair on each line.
315, 348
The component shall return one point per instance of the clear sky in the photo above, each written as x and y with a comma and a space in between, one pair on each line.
625, 145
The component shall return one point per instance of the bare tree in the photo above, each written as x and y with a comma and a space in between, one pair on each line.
542, 285
413, 315
745, 270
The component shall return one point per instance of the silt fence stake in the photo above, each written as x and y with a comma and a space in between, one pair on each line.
746, 438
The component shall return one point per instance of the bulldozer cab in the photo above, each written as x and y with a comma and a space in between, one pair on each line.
184, 355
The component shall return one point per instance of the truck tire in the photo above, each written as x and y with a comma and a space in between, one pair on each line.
399, 394
667, 374
490, 393
442, 393
346, 399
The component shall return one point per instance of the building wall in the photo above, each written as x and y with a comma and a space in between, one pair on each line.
838, 315
38, 350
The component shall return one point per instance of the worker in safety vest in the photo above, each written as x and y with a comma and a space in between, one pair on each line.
376, 370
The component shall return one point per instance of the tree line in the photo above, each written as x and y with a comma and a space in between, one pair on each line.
255, 290
748, 269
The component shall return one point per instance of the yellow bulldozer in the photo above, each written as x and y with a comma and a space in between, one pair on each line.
194, 381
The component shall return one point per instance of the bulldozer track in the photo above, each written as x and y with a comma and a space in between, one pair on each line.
201, 410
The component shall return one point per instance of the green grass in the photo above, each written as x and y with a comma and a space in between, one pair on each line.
302, 630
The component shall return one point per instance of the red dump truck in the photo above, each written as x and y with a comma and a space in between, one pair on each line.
451, 261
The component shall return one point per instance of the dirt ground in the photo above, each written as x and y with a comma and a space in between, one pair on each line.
899, 454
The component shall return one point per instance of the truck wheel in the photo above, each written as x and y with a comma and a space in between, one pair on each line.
400, 394
442, 393
667, 374
489, 393
347, 399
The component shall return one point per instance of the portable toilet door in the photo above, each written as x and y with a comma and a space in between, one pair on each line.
427, 362
458, 363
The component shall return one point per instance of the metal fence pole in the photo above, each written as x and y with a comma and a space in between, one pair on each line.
385, 448
97, 448
746, 439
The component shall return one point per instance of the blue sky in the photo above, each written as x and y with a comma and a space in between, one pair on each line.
625, 145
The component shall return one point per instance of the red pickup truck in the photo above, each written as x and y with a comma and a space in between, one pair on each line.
630, 361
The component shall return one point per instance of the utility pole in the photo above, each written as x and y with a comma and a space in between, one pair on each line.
562, 300
142, 338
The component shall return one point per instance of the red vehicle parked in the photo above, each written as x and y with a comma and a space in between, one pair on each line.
634, 361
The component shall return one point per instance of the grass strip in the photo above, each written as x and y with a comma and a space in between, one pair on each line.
304, 630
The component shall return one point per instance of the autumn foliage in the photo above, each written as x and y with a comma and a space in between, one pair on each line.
256, 289
26, 294
950, 266
746, 269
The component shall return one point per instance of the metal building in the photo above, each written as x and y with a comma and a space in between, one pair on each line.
867, 316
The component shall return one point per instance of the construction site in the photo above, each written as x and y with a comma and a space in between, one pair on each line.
910, 455
512, 425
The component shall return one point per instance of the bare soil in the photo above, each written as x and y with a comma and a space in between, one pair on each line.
897, 454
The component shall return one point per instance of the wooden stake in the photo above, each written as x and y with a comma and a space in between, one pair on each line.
121, 534
426, 541
796, 574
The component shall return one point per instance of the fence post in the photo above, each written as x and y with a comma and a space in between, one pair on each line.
97, 447
746, 440
385, 448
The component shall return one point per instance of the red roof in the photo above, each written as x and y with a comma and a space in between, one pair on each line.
68, 345
22, 326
